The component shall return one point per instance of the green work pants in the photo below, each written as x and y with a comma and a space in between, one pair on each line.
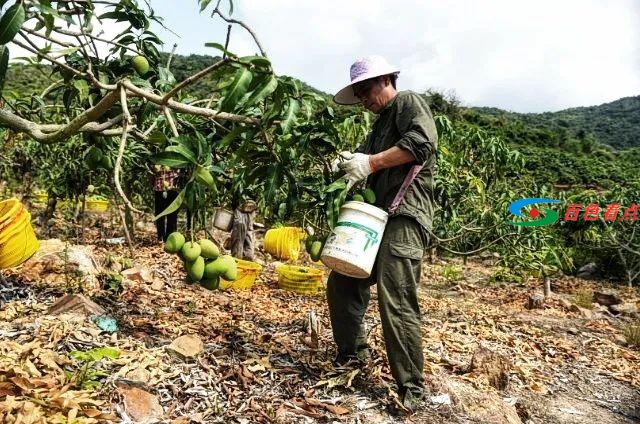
397, 274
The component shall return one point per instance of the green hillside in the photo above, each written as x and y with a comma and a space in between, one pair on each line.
616, 124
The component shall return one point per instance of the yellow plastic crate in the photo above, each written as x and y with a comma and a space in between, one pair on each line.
300, 279
96, 205
247, 273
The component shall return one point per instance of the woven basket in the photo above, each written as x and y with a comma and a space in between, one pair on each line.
247, 273
300, 279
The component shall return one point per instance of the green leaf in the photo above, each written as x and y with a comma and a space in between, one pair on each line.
340, 184
4, 64
204, 4
227, 139
183, 151
236, 90
289, 117
173, 206
261, 92
83, 89
221, 48
171, 159
11, 22
258, 61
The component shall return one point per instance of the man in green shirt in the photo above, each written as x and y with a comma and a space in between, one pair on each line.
402, 145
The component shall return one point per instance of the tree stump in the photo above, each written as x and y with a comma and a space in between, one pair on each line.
536, 301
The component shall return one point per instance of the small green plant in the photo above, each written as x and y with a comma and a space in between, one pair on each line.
452, 272
111, 282
505, 275
632, 335
584, 298
88, 375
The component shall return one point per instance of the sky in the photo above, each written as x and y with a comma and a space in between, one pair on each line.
523, 56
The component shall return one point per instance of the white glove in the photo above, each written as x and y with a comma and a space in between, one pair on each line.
342, 156
357, 167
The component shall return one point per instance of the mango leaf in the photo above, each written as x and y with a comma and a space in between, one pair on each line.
83, 89
4, 64
289, 117
236, 90
204, 177
258, 61
227, 139
273, 182
221, 48
183, 150
261, 92
173, 206
171, 159
340, 184
204, 4
11, 22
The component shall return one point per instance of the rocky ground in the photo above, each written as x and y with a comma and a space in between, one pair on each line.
151, 348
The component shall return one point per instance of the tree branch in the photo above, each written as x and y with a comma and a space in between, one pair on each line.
123, 143
192, 79
185, 108
217, 11
39, 133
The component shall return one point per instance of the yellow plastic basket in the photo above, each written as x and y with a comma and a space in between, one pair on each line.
284, 242
40, 197
96, 205
300, 279
18, 241
8, 210
247, 273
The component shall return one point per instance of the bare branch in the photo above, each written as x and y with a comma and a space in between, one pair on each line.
45, 57
35, 131
192, 79
172, 124
217, 11
123, 144
185, 108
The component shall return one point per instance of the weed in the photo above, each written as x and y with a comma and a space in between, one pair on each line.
584, 298
452, 272
632, 334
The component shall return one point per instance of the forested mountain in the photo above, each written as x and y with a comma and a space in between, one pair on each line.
616, 124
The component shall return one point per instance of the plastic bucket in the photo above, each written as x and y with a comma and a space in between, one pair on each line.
223, 219
247, 273
352, 247
96, 205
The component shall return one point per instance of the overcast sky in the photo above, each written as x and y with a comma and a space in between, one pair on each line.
532, 56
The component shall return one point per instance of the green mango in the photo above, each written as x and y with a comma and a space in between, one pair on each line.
174, 242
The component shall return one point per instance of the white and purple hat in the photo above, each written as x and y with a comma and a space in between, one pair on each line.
363, 69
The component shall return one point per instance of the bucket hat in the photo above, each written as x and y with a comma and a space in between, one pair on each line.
363, 69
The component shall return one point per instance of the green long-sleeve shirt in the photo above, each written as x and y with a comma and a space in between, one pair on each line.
406, 122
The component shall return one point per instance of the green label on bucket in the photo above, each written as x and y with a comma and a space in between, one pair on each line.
372, 235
